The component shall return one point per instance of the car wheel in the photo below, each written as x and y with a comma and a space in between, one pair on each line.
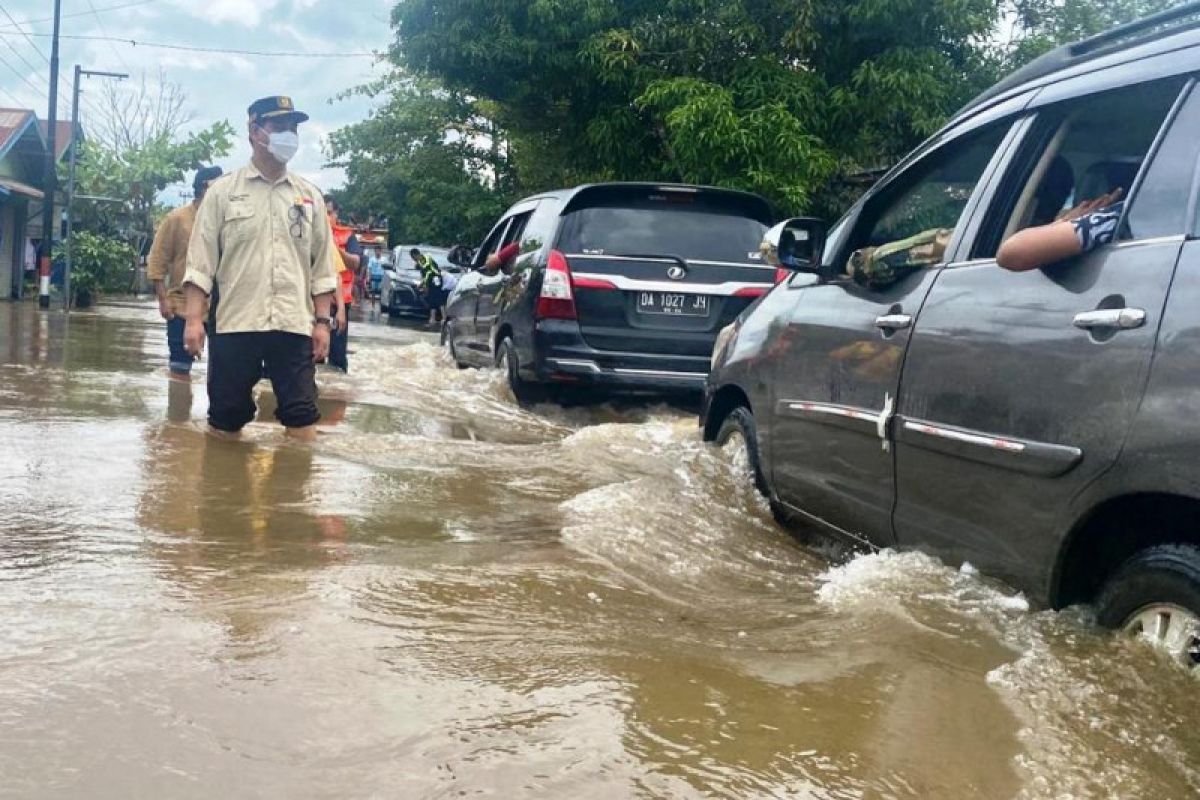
448, 343
1155, 596
739, 435
507, 360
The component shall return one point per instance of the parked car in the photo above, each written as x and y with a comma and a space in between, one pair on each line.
400, 290
1040, 425
617, 285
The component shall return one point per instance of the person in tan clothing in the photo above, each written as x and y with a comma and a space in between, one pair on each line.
262, 243
166, 265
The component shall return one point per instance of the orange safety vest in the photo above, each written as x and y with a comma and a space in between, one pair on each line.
341, 236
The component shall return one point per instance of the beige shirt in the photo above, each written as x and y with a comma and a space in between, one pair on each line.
168, 254
267, 247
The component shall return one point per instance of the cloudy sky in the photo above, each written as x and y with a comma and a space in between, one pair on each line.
218, 85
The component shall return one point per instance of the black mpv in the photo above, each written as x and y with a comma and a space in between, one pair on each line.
619, 285
1042, 425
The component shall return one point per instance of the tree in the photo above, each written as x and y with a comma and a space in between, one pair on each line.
432, 161
775, 96
137, 148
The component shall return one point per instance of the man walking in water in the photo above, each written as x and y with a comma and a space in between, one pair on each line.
165, 268
263, 240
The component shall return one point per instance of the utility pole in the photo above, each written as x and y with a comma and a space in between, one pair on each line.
49, 179
79, 72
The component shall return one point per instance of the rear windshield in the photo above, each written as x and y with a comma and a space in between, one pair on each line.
686, 226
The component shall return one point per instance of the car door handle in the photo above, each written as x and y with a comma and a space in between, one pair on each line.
1122, 318
893, 322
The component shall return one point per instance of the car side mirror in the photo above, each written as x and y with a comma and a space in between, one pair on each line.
796, 244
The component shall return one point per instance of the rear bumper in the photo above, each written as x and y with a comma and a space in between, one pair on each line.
562, 356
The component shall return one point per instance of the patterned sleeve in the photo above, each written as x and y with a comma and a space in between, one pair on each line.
1098, 228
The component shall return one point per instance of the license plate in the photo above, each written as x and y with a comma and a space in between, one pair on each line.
673, 304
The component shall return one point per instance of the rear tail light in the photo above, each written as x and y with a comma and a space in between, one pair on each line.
781, 275
556, 300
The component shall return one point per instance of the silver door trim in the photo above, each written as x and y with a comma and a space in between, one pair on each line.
726, 289
653, 260
1006, 452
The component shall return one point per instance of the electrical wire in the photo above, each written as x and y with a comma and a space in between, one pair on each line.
197, 49
111, 46
35, 71
84, 13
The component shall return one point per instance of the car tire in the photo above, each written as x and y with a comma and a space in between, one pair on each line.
1156, 595
739, 425
508, 360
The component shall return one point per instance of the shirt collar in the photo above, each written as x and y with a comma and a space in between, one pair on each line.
252, 172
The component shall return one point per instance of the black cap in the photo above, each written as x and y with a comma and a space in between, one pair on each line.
273, 108
204, 175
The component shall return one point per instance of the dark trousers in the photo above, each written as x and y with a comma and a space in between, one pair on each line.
180, 359
236, 363
339, 340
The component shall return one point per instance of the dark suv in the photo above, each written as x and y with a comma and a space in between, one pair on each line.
1042, 425
620, 285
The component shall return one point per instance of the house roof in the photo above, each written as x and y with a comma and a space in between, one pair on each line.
62, 136
14, 123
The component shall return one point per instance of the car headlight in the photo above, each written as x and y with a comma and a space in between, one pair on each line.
722, 341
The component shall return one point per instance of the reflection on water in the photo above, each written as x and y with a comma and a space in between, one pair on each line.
447, 595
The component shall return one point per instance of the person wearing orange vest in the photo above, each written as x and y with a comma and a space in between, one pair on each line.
350, 250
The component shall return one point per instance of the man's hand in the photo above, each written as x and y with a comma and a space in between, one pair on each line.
164, 307
193, 337
1088, 206
341, 317
320, 341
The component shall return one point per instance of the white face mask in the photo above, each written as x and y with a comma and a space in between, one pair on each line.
283, 145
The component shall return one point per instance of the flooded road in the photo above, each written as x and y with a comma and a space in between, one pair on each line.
448, 596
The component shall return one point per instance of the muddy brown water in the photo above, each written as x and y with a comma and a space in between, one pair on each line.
449, 596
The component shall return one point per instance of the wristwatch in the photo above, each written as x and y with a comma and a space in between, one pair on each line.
328, 322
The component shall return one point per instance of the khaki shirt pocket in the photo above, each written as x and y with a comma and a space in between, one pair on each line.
238, 224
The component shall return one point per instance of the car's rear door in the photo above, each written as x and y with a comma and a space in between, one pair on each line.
491, 284
1019, 388
661, 269
837, 365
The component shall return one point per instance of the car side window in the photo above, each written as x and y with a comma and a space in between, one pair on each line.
516, 228
1078, 151
491, 244
541, 227
910, 223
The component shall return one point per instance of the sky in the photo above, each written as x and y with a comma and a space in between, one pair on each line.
217, 85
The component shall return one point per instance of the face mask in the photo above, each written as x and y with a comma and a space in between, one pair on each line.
283, 145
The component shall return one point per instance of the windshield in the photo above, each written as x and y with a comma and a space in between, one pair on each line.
693, 232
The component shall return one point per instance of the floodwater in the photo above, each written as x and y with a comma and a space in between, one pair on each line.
448, 596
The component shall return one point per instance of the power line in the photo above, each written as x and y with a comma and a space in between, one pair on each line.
85, 13
195, 49
111, 46
34, 70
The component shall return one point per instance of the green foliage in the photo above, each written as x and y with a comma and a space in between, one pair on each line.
422, 159
136, 174
788, 98
99, 264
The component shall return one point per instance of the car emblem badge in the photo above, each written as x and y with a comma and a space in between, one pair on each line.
676, 273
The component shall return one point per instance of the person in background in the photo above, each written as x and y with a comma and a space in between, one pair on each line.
374, 275
262, 236
431, 284
351, 252
166, 266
